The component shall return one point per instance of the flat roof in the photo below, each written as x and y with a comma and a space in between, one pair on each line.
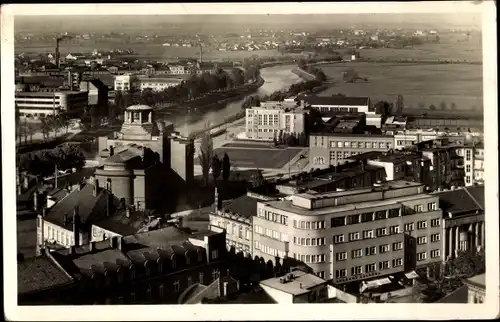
336, 100
478, 280
50, 94
287, 205
301, 283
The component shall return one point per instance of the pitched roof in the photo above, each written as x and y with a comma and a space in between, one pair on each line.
244, 206
460, 295
88, 206
36, 274
123, 156
477, 193
335, 100
120, 224
457, 201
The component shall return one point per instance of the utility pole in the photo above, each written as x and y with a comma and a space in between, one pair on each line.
55, 176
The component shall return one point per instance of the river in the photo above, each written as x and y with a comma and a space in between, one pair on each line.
276, 78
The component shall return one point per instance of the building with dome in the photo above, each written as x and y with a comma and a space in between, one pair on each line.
137, 161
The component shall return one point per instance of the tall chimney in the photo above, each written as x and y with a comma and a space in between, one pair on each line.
92, 246
35, 200
96, 186
76, 226
224, 289
216, 200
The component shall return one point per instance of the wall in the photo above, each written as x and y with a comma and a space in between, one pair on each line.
278, 296
99, 233
232, 235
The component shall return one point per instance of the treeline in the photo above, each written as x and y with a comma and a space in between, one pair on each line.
43, 162
290, 139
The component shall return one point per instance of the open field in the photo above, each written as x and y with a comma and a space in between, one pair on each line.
418, 83
262, 158
142, 50
450, 47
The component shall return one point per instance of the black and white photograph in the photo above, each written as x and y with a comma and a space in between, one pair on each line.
250, 154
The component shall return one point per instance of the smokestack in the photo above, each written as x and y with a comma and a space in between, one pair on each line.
96, 186
92, 246
35, 200
224, 290
76, 226
114, 242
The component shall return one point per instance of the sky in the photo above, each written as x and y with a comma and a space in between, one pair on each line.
397, 15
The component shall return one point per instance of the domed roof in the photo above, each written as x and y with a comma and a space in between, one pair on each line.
139, 107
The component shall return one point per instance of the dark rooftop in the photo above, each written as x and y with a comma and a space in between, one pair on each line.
39, 273
244, 206
121, 224
336, 100
477, 193
459, 201
458, 296
395, 156
88, 206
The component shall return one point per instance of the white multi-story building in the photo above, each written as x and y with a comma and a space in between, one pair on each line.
126, 82
39, 104
266, 121
158, 84
473, 163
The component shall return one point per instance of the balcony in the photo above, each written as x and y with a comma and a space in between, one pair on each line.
273, 243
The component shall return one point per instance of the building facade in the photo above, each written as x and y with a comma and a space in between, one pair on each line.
41, 104
126, 82
158, 84
337, 234
473, 163
268, 120
327, 149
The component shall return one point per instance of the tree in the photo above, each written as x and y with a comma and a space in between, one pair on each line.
30, 130
432, 107
453, 106
216, 167
280, 137
206, 154
258, 179
399, 105
226, 167
442, 106
46, 127
275, 139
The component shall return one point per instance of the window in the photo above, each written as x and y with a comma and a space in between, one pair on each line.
435, 222
397, 246
380, 215
338, 221
397, 262
189, 280
468, 155
276, 234
383, 265
431, 206
177, 286
215, 254
467, 168
422, 240
367, 217
337, 239
342, 256
435, 238
372, 250
354, 236
381, 231
393, 213
394, 230
467, 179
370, 268
422, 224
247, 234
421, 256
352, 219
339, 144
340, 273
356, 270
409, 227
240, 231
384, 248
435, 253
357, 253
284, 237
418, 208
368, 234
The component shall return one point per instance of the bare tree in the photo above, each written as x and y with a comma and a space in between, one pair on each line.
206, 154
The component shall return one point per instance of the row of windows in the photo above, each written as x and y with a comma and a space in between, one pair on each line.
406, 142
272, 216
269, 250
311, 259
423, 255
236, 230
369, 251
309, 241
358, 270
309, 224
264, 130
383, 214
61, 237
271, 233
360, 145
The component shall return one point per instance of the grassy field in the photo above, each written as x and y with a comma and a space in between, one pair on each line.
262, 158
419, 84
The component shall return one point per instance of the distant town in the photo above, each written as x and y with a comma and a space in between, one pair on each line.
191, 180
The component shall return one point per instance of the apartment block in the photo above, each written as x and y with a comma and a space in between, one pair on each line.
355, 234
327, 149
473, 163
45, 103
270, 118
